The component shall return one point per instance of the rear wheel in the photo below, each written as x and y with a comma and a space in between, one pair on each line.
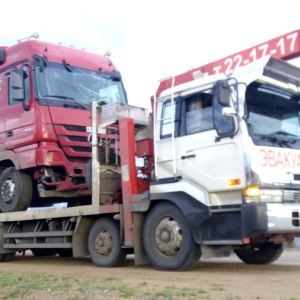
15, 190
168, 242
104, 243
259, 254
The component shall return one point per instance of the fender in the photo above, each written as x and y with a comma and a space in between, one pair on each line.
22, 158
195, 212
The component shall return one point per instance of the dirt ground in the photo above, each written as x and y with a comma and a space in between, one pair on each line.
220, 278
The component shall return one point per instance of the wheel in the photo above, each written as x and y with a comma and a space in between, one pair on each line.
104, 243
102, 160
15, 190
6, 257
168, 242
259, 254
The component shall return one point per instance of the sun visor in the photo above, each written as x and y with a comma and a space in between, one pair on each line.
283, 71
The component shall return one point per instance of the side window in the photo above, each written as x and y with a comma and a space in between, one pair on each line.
166, 119
198, 114
26, 85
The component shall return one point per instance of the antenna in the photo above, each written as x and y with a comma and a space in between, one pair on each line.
34, 35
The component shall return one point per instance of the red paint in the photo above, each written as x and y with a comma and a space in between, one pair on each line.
129, 176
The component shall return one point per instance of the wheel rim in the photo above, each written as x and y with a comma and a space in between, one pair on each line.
168, 236
103, 243
8, 191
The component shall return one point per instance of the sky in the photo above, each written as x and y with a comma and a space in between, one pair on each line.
150, 40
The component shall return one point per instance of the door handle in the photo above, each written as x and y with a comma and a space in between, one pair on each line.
188, 156
9, 134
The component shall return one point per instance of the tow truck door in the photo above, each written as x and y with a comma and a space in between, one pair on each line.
208, 155
196, 152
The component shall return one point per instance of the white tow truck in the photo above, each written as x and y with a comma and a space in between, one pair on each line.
221, 171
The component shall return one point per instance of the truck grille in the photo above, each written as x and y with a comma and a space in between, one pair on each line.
290, 196
73, 140
296, 219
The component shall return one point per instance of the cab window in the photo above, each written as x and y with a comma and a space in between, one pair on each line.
198, 113
166, 118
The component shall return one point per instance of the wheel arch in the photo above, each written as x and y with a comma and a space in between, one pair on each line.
7, 163
195, 212
20, 159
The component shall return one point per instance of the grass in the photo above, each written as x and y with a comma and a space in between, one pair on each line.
35, 286
39, 286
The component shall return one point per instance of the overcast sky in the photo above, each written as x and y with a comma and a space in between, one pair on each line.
150, 40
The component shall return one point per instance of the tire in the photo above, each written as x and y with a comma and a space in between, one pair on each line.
88, 172
104, 244
259, 254
15, 190
6, 257
168, 242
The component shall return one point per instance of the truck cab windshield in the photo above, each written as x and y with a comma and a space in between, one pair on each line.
272, 116
70, 86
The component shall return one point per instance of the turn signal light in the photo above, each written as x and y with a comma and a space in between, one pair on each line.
252, 191
233, 182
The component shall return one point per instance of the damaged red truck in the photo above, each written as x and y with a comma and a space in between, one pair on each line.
45, 95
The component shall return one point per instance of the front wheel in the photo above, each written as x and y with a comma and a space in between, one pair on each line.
104, 243
168, 242
15, 190
259, 254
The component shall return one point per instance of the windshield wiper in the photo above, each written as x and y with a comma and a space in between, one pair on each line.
67, 66
58, 96
67, 98
283, 133
281, 138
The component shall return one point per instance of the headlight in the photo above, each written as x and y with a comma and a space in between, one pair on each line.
254, 194
273, 196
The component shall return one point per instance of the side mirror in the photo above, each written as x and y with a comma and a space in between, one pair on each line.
223, 92
17, 85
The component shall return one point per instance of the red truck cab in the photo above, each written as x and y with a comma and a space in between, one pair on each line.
46, 91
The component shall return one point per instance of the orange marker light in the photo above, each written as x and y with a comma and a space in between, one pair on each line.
233, 182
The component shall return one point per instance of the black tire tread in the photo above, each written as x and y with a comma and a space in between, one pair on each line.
118, 254
191, 252
268, 253
23, 187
